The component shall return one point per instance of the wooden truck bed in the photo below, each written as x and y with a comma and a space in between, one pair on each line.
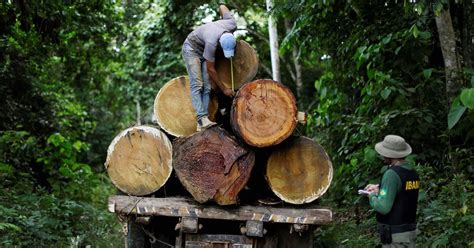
182, 222
183, 207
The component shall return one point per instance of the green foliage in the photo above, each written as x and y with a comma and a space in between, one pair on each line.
348, 233
60, 161
41, 219
381, 76
72, 72
362, 95
455, 113
8, 226
467, 97
57, 214
445, 212
56, 85
459, 106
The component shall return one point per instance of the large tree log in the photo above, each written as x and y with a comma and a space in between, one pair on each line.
245, 64
211, 165
299, 171
174, 111
264, 113
139, 160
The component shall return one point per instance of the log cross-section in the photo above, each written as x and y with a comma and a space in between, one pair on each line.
299, 171
245, 64
264, 113
174, 111
139, 160
182, 207
212, 165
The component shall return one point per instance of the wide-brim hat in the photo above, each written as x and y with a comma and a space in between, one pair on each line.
393, 146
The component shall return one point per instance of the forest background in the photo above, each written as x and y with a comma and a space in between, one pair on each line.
74, 73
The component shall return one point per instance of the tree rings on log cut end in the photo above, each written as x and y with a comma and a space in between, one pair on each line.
245, 64
264, 113
212, 165
139, 160
174, 111
299, 171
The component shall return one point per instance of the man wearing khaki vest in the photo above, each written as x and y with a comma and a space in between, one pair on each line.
395, 201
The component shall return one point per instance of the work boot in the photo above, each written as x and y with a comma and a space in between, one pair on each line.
206, 123
199, 125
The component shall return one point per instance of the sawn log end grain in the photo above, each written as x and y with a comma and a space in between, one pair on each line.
245, 64
139, 160
174, 111
211, 165
299, 171
264, 113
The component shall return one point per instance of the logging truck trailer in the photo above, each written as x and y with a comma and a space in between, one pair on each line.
182, 222
251, 155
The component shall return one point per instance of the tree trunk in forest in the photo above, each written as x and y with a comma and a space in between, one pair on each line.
298, 74
467, 36
139, 160
245, 64
174, 111
273, 35
139, 115
212, 165
264, 113
452, 64
299, 171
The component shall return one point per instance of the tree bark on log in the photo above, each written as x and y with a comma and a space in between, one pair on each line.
264, 113
212, 165
299, 171
139, 160
245, 64
174, 111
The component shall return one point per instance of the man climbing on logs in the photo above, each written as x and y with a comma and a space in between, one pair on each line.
396, 201
198, 52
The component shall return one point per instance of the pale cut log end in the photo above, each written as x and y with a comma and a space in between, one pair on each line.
139, 160
300, 171
173, 110
245, 64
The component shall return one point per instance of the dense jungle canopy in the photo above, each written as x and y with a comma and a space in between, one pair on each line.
74, 73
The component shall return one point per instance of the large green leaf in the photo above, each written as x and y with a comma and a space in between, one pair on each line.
455, 113
385, 93
427, 73
467, 98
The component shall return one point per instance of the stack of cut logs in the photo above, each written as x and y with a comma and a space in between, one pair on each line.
214, 164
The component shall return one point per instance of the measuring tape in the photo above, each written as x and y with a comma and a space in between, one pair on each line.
232, 73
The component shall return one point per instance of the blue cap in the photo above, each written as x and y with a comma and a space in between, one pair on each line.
228, 42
